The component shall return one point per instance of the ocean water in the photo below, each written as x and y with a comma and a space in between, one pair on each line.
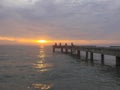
37, 68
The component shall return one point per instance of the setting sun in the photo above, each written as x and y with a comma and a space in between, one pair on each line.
42, 41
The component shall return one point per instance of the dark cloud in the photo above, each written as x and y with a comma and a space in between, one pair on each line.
65, 19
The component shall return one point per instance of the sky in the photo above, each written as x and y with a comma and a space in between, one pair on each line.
86, 21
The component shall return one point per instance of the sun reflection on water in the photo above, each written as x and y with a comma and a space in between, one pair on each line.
42, 65
41, 86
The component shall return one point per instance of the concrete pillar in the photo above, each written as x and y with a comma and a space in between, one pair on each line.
78, 54
91, 56
71, 44
61, 49
66, 50
86, 58
117, 60
60, 44
102, 58
53, 49
55, 44
71, 50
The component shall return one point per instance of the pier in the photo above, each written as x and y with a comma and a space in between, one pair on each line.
76, 50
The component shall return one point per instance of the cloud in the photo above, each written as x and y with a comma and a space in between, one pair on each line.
61, 19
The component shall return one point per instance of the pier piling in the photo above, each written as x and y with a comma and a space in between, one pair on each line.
91, 56
86, 58
78, 54
71, 49
102, 58
117, 61
66, 50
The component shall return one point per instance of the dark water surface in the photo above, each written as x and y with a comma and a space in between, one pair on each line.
37, 68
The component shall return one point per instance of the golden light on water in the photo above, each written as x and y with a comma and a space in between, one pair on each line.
41, 86
42, 65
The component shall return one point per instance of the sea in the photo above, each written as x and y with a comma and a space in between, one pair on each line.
25, 67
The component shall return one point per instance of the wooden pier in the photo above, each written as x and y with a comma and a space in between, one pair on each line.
76, 50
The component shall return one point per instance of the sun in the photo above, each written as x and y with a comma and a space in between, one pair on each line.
42, 41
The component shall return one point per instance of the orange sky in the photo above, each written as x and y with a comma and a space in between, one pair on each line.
11, 40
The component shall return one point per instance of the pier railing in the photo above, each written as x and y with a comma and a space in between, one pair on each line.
75, 49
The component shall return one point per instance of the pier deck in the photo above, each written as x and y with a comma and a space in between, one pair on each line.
74, 49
